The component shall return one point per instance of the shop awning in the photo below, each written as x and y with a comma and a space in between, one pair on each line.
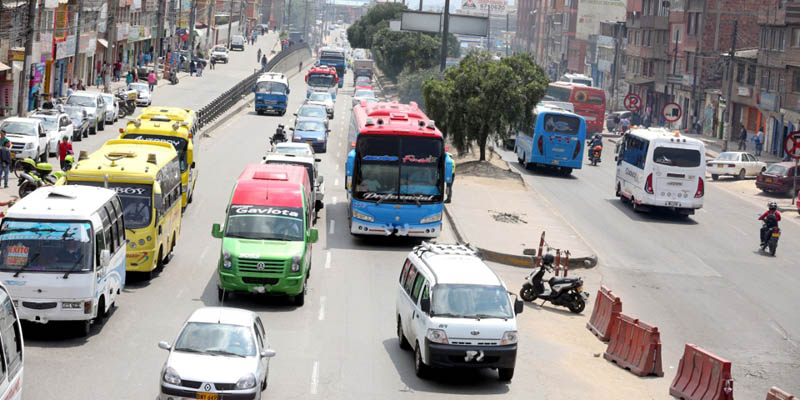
640, 80
4, 67
103, 42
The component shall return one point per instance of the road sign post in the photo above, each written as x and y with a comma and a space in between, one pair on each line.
633, 102
791, 145
671, 112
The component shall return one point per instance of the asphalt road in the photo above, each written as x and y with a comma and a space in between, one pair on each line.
701, 280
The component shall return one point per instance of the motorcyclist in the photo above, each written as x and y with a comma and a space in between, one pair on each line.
597, 141
771, 217
280, 135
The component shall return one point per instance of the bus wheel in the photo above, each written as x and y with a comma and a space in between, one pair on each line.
159, 263
101, 310
222, 294
566, 171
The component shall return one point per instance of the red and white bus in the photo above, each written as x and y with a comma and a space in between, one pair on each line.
589, 102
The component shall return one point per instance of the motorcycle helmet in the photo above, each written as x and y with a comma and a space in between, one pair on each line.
548, 259
772, 206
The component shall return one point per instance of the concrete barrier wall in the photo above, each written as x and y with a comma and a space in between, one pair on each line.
290, 63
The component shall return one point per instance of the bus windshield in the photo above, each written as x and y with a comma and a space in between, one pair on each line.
324, 80
269, 87
399, 168
557, 93
137, 201
45, 246
265, 223
563, 124
178, 143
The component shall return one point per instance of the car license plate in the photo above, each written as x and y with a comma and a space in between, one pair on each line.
555, 162
768, 180
720, 165
207, 396
672, 204
776, 234
13, 155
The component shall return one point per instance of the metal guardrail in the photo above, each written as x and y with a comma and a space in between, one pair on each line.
226, 100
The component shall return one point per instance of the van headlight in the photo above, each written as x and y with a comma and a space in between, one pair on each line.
71, 305
433, 218
246, 382
436, 336
296, 260
359, 215
226, 260
171, 376
29, 146
510, 337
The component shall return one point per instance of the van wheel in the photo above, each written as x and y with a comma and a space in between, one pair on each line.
742, 174
636, 207
422, 370
86, 328
101, 126
505, 374
401, 337
222, 294
714, 176
43, 156
300, 299
101, 311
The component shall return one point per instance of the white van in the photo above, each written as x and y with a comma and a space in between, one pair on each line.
62, 253
11, 348
661, 168
454, 311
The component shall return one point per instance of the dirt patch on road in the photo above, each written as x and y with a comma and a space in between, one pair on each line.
493, 168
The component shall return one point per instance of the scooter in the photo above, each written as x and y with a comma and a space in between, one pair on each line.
594, 155
33, 175
127, 101
773, 234
173, 78
562, 291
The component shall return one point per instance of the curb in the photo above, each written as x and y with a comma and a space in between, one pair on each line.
459, 233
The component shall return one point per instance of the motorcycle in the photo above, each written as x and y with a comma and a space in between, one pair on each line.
173, 78
594, 155
33, 175
773, 234
562, 291
278, 137
127, 101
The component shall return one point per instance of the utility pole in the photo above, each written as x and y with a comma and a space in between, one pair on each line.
192, 23
159, 35
698, 51
729, 101
305, 20
617, 29
230, 23
419, 34
675, 62
505, 38
445, 34
208, 23
110, 54
77, 38
489, 29
22, 101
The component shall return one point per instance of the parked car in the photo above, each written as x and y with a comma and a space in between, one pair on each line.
362, 94
237, 42
311, 131
143, 95
219, 54
94, 105
322, 99
777, 178
610, 124
112, 108
225, 348
28, 138
80, 122
57, 125
736, 164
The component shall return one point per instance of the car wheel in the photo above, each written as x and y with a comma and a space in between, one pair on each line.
300, 299
742, 174
505, 374
420, 368
43, 156
93, 129
102, 125
401, 337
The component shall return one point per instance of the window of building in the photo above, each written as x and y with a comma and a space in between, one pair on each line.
740, 73
773, 39
676, 34
773, 81
795, 37
751, 74
782, 39
765, 79
796, 81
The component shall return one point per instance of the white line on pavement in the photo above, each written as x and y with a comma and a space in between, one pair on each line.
314, 377
203, 254
336, 182
337, 167
333, 200
328, 260
333, 227
321, 315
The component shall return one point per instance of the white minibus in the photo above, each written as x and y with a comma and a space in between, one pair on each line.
62, 254
661, 168
11, 349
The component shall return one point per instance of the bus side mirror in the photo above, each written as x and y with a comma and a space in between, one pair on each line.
518, 306
313, 235
105, 257
193, 165
425, 305
216, 231
288, 91
320, 180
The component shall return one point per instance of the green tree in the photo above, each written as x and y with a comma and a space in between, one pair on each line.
360, 33
483, 98
397, 51
409, 84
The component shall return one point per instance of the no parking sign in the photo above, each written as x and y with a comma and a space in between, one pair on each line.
672, 112
633, 102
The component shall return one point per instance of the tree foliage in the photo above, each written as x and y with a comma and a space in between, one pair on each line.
409, 84
482, 98
360, 33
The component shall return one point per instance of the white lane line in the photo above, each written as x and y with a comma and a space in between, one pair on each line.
333, 227
337, 167
321, 315
333, 199
314, 377
203, 254
338, 154
328, 260
336, 182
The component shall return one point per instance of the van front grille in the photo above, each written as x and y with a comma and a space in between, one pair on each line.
262, 266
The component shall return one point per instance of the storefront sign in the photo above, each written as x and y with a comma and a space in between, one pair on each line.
133, 33
38, 73
769, 101
66, 48
675, 78
91, 43
743, 91
16, 54
83, 46
50, 4
122, 31
46, 39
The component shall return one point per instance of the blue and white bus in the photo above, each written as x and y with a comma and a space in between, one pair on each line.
555, 139
272, 93
334, 57
396, 174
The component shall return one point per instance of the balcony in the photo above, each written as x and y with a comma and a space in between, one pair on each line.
659, 51
788, 15
648, 22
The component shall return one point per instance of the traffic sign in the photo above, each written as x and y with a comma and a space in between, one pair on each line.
633, 102
792, 145
672, 112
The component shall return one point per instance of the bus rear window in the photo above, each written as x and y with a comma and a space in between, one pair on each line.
565, 124
676, 157
557, 93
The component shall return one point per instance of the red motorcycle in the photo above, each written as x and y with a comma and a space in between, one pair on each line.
594, 156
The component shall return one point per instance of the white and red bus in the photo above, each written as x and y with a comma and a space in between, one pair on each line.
589, 102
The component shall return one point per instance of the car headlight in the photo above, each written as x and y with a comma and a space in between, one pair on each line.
433, 218
226, 259
171, 376
359, 215
510, 337
29, 146
71, 305
436, 336
296, 260
246, 382
322, 139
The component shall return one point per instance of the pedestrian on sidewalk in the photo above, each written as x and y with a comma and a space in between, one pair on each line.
129, 78
5, 160
151, 80
70, 90
743, 139
117, 70
759, 139
212, 61
263, 62
258, 55
64, 149
192, 67
3, 138
200, 66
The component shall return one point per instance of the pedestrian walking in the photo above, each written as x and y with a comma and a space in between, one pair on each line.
743, 139
263, 62
117, 71
129, 78
258, 55
151, 80
213, 62
759, 139
200, 66
192, 67
5, 160
64, 149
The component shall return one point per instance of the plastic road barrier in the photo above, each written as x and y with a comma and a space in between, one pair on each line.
635, 346
604, 315
702, 376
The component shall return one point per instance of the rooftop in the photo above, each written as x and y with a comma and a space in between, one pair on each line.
61, 202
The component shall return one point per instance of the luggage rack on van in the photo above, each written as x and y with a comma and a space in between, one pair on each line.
446, 249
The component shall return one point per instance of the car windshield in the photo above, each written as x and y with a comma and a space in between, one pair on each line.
309, 126
50, 124
216, 340
220, 49
83, 101
728, 157
677, 157
364, 93
136, 201
45, 246
265, 223
320, 97
324, 80
313, 111
269, 87
363, 79
776, 169
470, 301
296, 150
19, 128
139, 87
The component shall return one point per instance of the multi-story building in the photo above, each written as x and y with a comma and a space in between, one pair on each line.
605, 53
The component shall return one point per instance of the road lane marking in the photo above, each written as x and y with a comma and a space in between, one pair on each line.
314, 377
321, 315
333, 200
337, 167
328, 260
336, 183
333, 227
203, 254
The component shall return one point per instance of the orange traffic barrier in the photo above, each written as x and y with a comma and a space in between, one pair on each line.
604, 314
635, 346
777, 394
702, 376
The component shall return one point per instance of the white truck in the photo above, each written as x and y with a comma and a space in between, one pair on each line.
362, 67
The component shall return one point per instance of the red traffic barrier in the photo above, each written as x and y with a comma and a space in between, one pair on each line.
604, 314
777, 394
635, 346
702, 376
